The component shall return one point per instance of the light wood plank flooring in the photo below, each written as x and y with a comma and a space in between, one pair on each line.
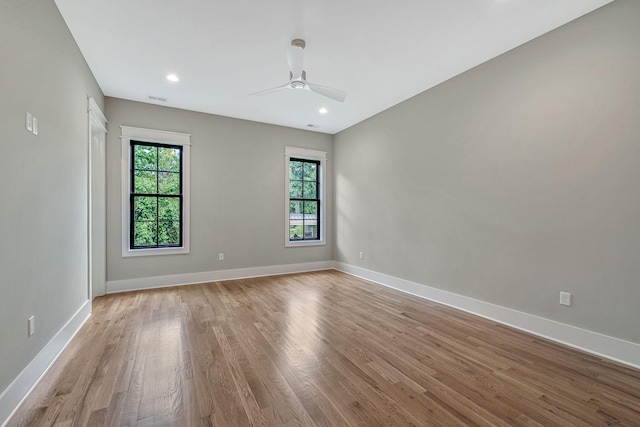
317, 349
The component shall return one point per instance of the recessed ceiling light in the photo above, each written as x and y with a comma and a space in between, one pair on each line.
323, 111
173, 78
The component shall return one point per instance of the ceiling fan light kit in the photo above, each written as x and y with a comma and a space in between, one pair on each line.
298, 76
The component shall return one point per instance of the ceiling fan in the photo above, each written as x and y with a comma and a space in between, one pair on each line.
298, 76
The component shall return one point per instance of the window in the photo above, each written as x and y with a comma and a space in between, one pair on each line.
155, 192
155, 202
304, 197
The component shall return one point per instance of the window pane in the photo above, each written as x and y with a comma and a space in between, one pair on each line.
168, 159
169, 233
309, 190
169, 208
295, 232
310, 208
310, 231
144, 182
168, 183
310, 170
144, 157
295, 170
295, 189
144, 233
144, 208
295, 207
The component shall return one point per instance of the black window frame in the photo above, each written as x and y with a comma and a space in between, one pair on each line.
157, 195
303, 199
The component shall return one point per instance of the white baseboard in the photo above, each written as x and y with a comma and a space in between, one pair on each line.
114, 286
19, 389
621, 351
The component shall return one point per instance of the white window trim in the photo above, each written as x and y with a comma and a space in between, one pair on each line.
162, 137
304, 153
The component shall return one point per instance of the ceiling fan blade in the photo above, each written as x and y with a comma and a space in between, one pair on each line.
329, 92
272, 90
294, 57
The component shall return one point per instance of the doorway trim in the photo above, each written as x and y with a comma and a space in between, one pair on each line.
97, 128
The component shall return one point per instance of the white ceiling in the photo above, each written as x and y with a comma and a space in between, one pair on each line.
380, 51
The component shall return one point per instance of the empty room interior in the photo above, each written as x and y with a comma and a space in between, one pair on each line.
308, 213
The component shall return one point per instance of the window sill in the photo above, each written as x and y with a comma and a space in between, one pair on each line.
154, 251
290, 244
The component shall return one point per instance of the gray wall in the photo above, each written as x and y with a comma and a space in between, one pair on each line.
512, 181
43, 179
237, 192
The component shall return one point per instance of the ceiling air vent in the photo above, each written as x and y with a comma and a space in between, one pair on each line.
157, 98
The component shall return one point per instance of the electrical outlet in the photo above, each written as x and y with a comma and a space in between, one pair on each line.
221, 256
565, 299
361, 255
32, 325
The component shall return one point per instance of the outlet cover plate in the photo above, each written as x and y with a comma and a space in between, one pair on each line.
565, 299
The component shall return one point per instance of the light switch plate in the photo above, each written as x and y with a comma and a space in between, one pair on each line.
35, 126
28, 121
31, 323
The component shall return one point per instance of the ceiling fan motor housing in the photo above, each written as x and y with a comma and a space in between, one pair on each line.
298, 83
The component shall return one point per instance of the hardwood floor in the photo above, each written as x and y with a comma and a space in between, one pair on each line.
323, 349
